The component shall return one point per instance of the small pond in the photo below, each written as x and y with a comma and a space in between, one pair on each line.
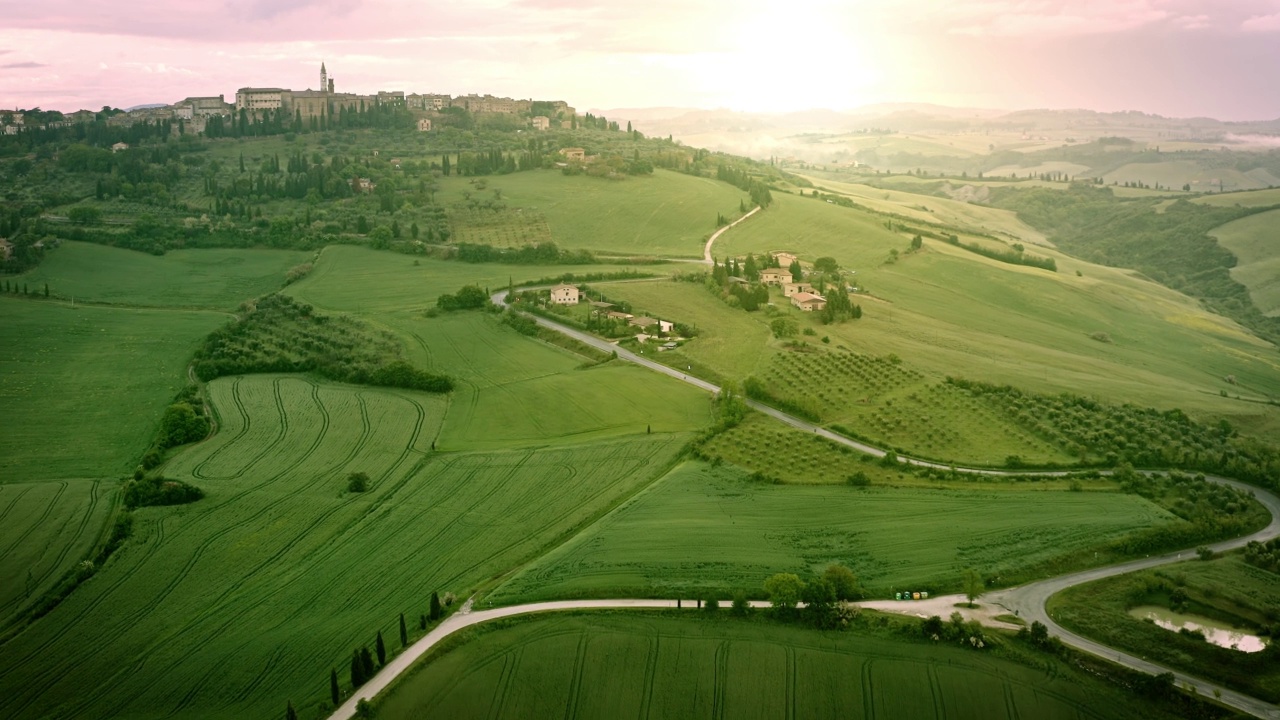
1215, 631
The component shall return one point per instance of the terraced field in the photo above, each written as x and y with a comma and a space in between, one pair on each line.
225, 606
703, 527
663, 666
45, 529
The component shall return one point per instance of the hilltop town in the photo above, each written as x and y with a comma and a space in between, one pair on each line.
194, 113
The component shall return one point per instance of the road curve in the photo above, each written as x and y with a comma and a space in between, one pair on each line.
1027, 600
706, 249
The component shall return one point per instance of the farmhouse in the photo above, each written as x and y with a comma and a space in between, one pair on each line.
615, 315
775, 276
791, 288
563, 294
424, 124
574, 154
784, 258
119, 146
541, 122
808, 302
646, 323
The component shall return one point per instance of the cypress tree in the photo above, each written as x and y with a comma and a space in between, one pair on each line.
334, 691
46, 289
290, 713
422, 622
381, 647
366, 662
435, 606
404, 632
357, 669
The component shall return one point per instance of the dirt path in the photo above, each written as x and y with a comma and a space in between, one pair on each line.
706, 249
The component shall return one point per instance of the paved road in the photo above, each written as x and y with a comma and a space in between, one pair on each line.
1028, 600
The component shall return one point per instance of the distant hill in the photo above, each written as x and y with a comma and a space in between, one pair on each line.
148, 106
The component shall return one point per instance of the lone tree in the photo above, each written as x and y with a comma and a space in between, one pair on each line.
335, 693
381, 647
404, 632
434, 610
973, 585
784, 592
843, 582
357, 482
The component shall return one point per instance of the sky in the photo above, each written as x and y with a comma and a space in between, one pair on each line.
1215, 58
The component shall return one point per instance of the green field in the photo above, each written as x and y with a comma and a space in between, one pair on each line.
664, 666
703, 527
370, 282
1226, 589
1252, 198
1176, 173
1255, 241
84, 387
512, 391
45, 529
666, 214
248, 596
207, 278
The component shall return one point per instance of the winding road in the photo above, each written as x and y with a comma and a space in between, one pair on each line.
1027, 601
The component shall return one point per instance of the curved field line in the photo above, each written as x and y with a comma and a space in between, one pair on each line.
67, 546
198, 470
868, 687
21, 493
650, 677
48, 508
791, 682
509, 667
719, 690
575, 685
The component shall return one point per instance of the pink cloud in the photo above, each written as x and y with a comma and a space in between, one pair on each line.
1262, 23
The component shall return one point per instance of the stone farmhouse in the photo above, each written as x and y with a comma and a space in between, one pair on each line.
574, 154
808, 302
784, 258
564, 294
775, 276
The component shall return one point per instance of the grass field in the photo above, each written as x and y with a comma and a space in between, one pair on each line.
1255, 241
84, 387
513, 391
1225, 588
963, 215
370, 282
665, 666
210, 278
1252, 198
1176, 173
666, 214
45, 529
702, 527
229, 606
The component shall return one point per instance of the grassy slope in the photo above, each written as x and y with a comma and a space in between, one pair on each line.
84, 387
687, 667
219, 279
1176, 173
247, 597
703, 527
968, 216
1255, 241
506, 382
668, 214
947, 311
1251, 198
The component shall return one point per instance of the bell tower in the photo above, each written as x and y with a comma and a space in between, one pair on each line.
324, 78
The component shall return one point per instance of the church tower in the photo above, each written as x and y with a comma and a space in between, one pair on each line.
324, 78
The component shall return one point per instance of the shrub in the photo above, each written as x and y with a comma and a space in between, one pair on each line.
159, 491
357, 482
